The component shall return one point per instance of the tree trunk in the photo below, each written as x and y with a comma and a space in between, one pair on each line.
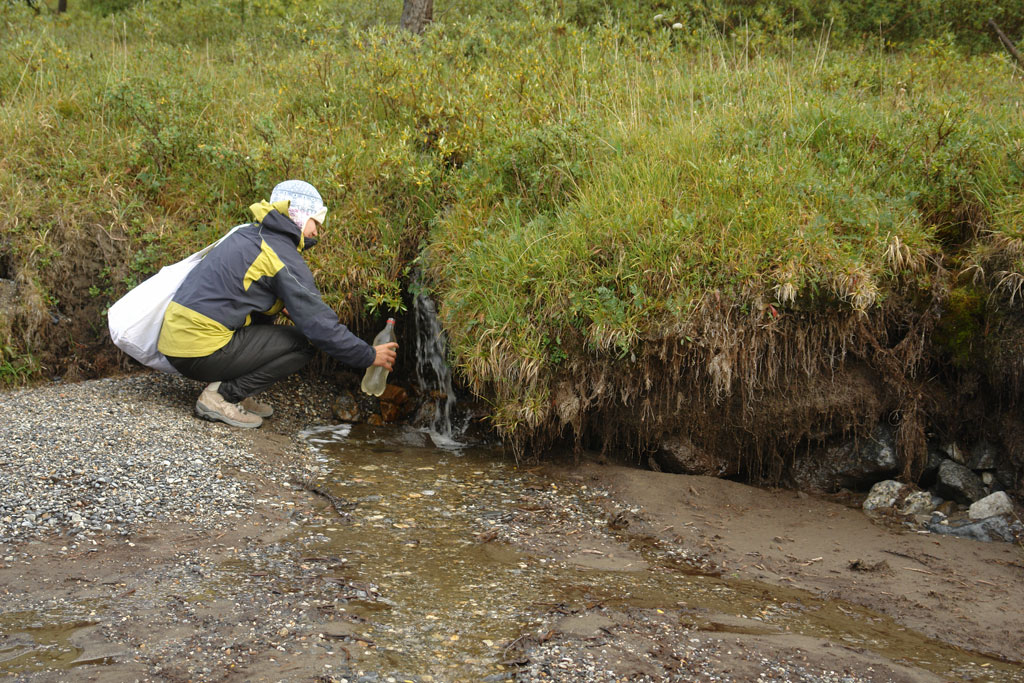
1007, 43
416, 14
62, 6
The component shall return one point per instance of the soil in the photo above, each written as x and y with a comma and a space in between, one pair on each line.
272, 626
960, 592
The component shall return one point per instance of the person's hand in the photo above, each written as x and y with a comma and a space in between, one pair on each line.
386, 355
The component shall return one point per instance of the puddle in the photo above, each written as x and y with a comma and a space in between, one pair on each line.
429, 598
30, 641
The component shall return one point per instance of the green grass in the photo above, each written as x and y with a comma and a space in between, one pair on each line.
804, 182
577, 191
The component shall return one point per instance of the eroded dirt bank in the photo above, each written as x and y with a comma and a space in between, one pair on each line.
255, 600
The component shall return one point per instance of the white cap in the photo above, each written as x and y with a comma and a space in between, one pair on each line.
304, 202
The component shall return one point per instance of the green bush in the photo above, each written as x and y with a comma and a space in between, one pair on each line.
762, 22
576, 186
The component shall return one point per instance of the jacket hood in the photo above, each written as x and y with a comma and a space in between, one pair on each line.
275, 217
262, 208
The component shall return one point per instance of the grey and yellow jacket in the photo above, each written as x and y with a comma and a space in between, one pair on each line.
255, 272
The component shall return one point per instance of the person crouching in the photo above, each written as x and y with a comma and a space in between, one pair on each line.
218, 327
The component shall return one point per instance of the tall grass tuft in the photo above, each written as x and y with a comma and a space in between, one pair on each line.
580, 187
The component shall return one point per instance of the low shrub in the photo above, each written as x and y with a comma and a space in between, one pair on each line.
580, 189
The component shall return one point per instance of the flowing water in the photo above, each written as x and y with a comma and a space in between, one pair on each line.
437, 601
420, 573
434, 375
35, 641
422, 579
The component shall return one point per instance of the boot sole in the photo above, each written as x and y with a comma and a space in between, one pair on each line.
214, 416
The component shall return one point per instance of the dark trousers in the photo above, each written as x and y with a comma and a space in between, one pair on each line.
256, 357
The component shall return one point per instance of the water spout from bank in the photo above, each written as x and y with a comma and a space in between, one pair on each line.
434, 375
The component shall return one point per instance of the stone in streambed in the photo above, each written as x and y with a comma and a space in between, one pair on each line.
989, 529
957, 482
346, 408
916, 503
679, 455
931, 467
394, 403
996, 504
983, 456
852, 463
884, 494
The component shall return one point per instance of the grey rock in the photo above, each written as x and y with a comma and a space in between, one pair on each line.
958, 483
1006, 476
346, 408
852, 463
883, 495
931, 467
996, 504
983, 456
681, 456
869, 460
955, 453
917, 503
990, 529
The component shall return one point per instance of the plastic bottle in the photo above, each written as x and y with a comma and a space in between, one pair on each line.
376, 377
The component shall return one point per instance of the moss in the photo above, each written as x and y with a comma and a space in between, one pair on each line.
961, 328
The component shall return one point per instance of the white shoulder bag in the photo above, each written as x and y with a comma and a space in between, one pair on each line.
135, 319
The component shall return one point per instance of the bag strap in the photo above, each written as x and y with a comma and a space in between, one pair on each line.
205, 250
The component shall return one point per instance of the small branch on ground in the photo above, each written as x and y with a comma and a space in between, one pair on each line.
1007, 43
340, 505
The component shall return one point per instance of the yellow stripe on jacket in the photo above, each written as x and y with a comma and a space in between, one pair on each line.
267, 264
187, 334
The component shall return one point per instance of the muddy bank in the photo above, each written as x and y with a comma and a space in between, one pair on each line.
955, 590
268, 597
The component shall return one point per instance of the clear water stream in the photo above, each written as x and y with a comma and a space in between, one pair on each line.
434, 375
444, 604
427, 597
422, 573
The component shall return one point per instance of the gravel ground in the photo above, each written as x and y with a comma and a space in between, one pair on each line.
110, 456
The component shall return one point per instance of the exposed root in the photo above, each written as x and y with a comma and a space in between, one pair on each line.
746, 384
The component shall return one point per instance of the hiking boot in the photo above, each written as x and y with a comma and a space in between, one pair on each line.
213, 406
253, 406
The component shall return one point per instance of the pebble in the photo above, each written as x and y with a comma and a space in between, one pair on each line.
109, 456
